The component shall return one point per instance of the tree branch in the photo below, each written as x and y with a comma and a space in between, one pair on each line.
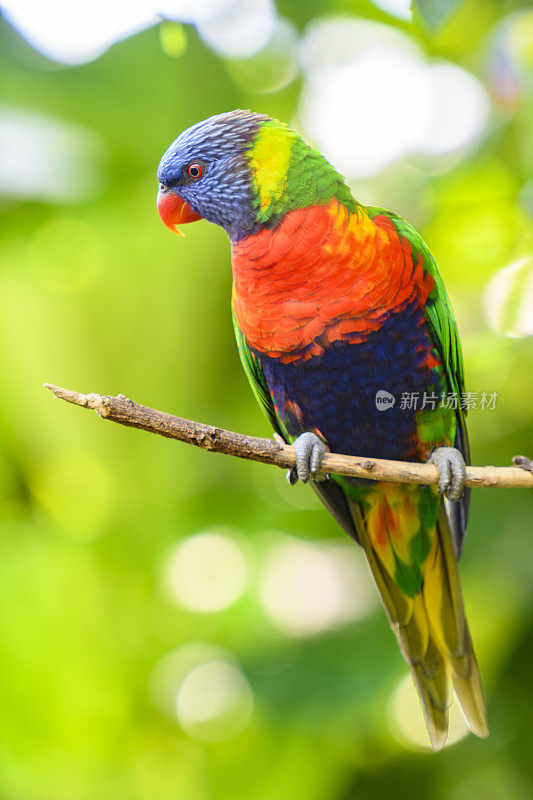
124, 411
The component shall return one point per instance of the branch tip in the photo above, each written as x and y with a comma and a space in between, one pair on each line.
69, 395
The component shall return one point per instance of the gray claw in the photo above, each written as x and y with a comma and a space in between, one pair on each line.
452, 471
310, 451
524, 462
291, 476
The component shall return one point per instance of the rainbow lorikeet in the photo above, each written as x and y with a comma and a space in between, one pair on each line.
335, 305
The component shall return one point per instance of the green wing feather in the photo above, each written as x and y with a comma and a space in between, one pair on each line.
441, 320
257, 380
439, 312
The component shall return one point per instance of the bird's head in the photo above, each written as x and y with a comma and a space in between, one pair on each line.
242, 170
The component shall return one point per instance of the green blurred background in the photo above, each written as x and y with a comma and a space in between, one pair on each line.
177, 625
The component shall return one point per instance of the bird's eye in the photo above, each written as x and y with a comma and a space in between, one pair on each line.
195, 171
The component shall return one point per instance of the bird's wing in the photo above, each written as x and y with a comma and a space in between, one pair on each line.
445, 336
256, 377
329, 492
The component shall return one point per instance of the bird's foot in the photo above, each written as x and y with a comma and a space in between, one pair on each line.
310, 451
452, 471
524, 462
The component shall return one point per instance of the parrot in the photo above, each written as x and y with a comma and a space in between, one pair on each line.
342, 322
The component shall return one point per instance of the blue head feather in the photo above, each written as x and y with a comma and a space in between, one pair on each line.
223, 194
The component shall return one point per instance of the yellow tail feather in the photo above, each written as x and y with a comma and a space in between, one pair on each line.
433, 634
469, 692
452, 631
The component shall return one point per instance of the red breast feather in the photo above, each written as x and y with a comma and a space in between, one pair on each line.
323, 275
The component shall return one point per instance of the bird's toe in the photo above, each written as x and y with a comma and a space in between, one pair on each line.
524, 463
310, 451
452, 471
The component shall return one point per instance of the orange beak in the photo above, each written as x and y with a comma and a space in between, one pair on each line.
174, 211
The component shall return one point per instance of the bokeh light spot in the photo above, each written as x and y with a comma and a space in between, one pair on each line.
459, 109
202, 687
214, 702
362, 137
206, 573
42, 158
171, 670
241, 29
509, 299
510, 58
73, 33
272, 67
308, 588
366, 62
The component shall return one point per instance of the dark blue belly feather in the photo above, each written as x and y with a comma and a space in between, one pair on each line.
336, 392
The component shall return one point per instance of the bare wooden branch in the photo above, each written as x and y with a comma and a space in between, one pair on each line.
124, 411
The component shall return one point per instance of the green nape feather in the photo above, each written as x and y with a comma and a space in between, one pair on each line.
288, 174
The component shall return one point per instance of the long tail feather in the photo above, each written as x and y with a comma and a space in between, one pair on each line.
464, 666
433, 634
469, 692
